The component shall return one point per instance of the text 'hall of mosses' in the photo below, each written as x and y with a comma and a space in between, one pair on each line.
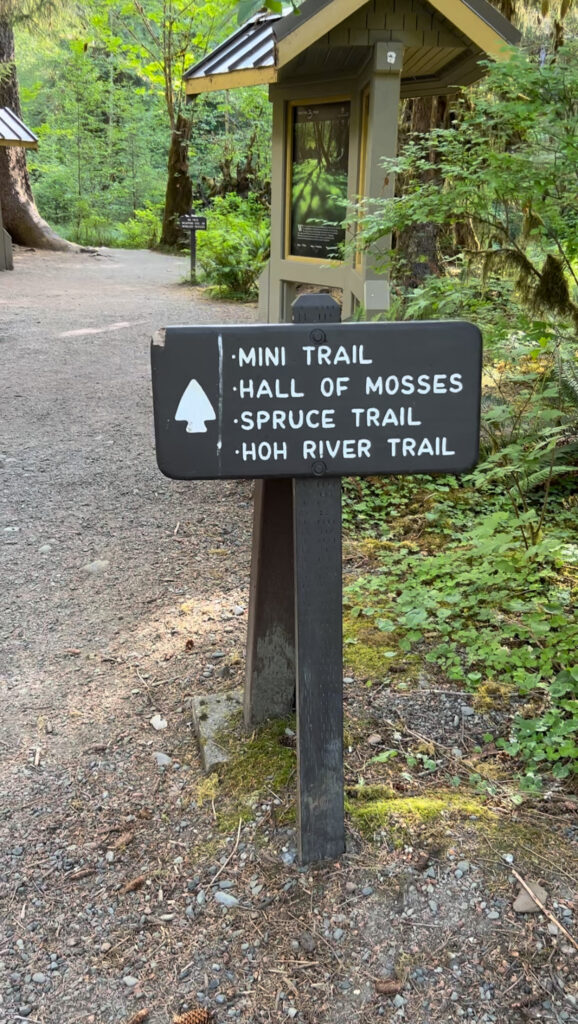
290, 418
259, 401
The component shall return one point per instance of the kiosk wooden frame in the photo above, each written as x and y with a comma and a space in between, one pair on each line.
387, 49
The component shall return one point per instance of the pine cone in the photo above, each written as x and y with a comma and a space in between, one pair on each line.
195, 1017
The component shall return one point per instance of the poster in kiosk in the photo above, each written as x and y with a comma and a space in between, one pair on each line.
274, 401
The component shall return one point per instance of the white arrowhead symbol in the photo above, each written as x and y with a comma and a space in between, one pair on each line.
195, 408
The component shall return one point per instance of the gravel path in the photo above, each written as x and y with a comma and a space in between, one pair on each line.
123, 594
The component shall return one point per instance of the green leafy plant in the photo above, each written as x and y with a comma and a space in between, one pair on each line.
143, 230
484, 608
234, 249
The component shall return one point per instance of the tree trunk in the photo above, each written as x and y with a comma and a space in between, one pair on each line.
19, 213
179, 192
418, 245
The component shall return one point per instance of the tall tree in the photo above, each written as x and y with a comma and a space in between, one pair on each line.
162, 38
21, 218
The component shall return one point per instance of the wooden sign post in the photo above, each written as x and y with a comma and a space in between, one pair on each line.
298, 407
193, 223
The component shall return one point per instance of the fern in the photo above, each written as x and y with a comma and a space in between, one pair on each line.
568, 381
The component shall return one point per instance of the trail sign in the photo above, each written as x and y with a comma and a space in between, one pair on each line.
191, 222
329, 400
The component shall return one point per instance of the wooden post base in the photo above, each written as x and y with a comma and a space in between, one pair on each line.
270, 680
294, 639
318, 617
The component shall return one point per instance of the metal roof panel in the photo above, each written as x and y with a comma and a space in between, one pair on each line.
13, 131
251, 46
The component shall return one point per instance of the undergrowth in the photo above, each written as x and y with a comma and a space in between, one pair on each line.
489, 613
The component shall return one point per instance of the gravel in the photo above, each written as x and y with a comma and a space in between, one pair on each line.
121, 887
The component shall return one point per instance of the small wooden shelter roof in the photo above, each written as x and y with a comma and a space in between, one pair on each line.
13, 131
245, 58
444, 41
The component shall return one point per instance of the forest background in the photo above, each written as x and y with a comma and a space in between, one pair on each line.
476, 577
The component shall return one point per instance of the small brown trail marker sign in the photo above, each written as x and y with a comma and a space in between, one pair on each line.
193, 222
297, 407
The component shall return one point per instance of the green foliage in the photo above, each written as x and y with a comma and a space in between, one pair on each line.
248, 8
484, 607
226, 126
102, 151
103, 91
483, 582
143, 230
506, 173
234, 249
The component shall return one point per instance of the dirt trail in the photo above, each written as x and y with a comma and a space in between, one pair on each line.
122, 594
79, 482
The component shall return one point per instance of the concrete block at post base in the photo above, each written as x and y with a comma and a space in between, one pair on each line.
214, 714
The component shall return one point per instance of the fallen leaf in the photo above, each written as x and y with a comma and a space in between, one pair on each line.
138, 1018
134, 884
122, 841
388, 988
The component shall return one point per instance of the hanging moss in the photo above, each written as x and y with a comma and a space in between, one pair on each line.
552, 291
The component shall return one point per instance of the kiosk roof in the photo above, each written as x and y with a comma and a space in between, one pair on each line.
13, 131
261, 48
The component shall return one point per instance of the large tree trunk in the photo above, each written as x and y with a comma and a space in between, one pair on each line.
19, 213
418, 245
179, 194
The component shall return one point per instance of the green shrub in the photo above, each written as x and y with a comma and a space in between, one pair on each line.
143, 230
90, 230
235, 248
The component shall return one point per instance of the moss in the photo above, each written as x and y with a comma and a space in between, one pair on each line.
371, 653
370, 793
260, 762
492, 695
403, 815
259, 766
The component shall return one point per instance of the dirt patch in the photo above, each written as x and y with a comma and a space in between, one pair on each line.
128, 881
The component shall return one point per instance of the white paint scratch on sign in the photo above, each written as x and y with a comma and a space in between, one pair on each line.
195, 407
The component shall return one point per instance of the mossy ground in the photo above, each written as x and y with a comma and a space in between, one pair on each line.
260, 767
371, 654
403, 818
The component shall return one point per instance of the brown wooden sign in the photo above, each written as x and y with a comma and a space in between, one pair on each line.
330, 400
